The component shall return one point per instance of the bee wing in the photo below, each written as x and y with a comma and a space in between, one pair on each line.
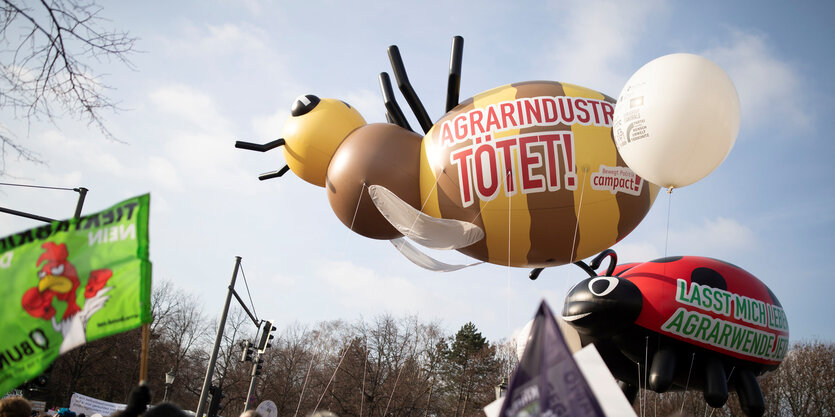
423, 260
432, 232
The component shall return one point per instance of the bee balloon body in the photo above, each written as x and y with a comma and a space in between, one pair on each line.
523, 175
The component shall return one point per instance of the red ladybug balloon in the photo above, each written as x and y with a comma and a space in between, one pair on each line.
694, 322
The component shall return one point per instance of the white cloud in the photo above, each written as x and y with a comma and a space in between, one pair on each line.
283, 282
163, 172
368, 103
217, 40
769, 89
191, 105
714, 237
636, 252
269, 127
596, 37
198, 142
159, 204
365, 290
254, 7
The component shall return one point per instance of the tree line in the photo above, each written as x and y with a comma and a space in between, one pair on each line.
384, 366
387, 365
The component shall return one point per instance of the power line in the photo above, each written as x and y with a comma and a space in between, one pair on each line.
39, 186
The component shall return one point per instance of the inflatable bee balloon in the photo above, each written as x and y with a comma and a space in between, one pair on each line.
524, 175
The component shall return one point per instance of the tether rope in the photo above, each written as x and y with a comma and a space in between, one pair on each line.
333, 376
252, 304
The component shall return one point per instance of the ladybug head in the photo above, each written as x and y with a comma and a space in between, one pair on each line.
601, 306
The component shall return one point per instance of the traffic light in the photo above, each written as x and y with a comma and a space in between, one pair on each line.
248, 351
214, 404
256, 367
266, 336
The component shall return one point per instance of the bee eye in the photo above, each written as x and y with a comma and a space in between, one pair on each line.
602, 286
304, 104
58, 270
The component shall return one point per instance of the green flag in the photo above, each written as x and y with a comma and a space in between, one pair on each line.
71, 282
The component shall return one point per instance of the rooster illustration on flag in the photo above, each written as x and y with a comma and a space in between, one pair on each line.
59, 282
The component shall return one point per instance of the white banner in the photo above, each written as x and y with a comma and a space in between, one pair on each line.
89, 405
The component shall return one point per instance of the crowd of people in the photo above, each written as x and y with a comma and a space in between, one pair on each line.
137, 406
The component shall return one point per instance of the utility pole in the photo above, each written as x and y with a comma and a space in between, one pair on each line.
207, 382
263, 344
254, 380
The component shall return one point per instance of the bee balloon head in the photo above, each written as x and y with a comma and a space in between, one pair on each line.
315, 128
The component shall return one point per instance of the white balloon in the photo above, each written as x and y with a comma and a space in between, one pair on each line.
676, 119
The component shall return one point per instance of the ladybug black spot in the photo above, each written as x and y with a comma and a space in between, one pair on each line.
666, 260
708, 277
621, 272
726, 263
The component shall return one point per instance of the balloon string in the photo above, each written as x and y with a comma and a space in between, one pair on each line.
434, 186
393, 388
333, 376
304, 385
640, 403
357, 208
727, 381
509, 218
646, 381
687, 384
667, 237
422, 206
364, 368
577, 225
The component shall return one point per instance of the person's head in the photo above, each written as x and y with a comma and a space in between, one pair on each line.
323, 414
15, 407
251, 413
66, 412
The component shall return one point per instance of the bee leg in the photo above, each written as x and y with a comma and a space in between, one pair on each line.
751, 399
629, 391
716, 382
662, 370
454, 84
534, 274
259, 147
274, 174
407, 89
393, 112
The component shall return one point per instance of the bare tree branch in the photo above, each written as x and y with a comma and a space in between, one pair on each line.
47, 50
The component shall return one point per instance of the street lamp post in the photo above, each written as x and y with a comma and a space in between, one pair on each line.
169, 379
501, 389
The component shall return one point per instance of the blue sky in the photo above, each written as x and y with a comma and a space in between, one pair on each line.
212, 72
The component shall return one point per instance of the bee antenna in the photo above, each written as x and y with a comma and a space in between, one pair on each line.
259, 147
393, 112
407, 89
454, 83
274, 174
